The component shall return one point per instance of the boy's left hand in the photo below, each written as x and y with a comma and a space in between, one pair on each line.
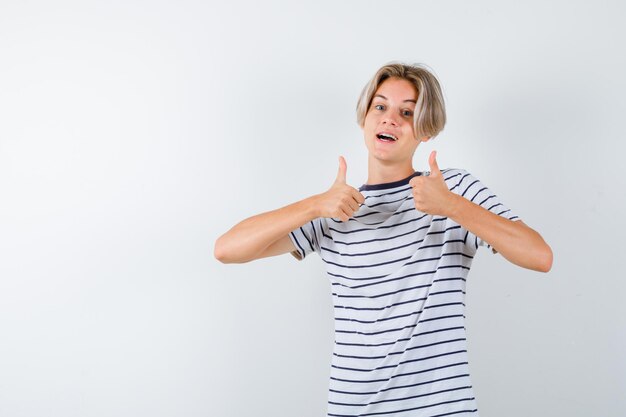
430, 193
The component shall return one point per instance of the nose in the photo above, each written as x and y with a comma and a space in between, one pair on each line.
390, 119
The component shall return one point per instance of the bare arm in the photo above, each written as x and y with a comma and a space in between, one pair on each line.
517, 242
267, 234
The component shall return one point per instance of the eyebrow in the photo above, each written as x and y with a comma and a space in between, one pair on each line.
407, 100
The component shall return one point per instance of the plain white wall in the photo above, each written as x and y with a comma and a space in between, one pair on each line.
134, 133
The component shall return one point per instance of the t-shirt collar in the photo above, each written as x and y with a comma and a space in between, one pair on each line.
387, 185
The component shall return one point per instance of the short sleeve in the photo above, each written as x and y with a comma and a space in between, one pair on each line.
475, 191
307, 238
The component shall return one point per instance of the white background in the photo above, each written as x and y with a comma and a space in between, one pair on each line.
134, 133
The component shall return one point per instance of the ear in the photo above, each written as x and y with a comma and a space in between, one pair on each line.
424, 139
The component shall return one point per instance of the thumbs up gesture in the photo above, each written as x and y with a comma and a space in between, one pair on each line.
430, 193
341, 200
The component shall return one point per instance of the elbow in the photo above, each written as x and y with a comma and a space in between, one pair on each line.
221, 252
227, 253
545, 259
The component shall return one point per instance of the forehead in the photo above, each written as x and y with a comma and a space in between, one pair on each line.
397, 88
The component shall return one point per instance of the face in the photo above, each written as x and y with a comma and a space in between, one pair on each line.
388, 125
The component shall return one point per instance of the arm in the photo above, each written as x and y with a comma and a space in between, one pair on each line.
517, 242
267, 234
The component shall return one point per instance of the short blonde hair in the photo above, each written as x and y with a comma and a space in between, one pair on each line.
430, 112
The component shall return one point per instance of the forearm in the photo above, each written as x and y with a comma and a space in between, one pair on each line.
517, 242
267, 234
248, 239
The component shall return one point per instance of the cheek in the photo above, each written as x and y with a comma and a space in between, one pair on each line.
368, 126
410, 131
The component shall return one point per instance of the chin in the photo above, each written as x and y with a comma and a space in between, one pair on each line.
384, 157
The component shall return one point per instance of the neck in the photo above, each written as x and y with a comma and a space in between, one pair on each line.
381, 172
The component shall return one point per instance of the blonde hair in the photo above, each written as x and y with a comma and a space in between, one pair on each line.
430, 112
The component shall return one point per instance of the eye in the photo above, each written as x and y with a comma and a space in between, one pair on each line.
379, 107
407, 113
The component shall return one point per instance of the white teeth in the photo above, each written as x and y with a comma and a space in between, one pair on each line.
386, 136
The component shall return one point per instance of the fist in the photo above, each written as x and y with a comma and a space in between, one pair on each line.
430, 193
341, 201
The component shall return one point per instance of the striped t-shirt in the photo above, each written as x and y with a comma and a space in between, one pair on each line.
398, 287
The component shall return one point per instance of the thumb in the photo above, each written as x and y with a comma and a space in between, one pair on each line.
432, 161
341, 174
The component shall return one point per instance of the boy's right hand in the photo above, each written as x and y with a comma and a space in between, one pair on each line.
341, 201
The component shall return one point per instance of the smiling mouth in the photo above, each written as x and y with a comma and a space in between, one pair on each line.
386, 137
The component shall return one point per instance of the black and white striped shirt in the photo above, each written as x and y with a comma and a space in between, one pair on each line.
398, 285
